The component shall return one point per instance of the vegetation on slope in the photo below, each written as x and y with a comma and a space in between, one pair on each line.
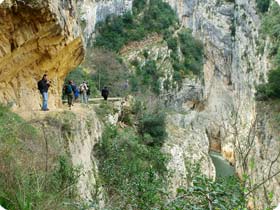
130, 158
204, 193
271, 27
117, 31
186, 53
263, 5
134, 175
30, 177
131, 163
192, 59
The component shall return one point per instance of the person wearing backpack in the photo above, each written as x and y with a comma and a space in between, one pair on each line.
43, 87
105, 93
68, 90
83, 92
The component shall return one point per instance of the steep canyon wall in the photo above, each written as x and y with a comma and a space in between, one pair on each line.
233, 67
47, 38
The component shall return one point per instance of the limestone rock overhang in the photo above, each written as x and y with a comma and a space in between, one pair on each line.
37, 37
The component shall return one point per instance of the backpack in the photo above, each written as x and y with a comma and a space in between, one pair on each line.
68, 89
82, 88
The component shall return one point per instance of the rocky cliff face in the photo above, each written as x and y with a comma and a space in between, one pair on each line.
73, 134
40, 37
85, 132
232, 69
187, 142
37, 37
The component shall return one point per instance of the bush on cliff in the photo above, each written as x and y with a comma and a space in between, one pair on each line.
146, 78
131, 163
271, 27
204, 193
138, 5
152, 128
192, 50
263, 5
131, 172
117, 31
272, 88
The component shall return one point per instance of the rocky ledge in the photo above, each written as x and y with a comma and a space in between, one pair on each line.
36, 37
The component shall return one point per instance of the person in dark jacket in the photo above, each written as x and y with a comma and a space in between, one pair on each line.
105, 93
69, 91
88, 91
43, 86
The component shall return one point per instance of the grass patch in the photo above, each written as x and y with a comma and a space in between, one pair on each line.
14, 128
30, 177
105, 109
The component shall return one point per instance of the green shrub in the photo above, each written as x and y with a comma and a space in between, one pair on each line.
146, 78
117, 31
271, 24
153, 124
158, 17
263, 5
271, 27
138, 5
172, 44
29, 188
135, 62
111, 33
65, 175
221, 194
272, 88
132, 173
106, 68
156, 87
134, 84
146, 54
192, 50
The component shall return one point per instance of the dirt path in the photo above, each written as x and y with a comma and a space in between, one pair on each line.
78, 108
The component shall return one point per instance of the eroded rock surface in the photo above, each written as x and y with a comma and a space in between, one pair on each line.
187, 143
233, 67
37, 37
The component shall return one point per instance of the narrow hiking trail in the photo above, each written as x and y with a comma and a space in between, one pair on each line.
78, 108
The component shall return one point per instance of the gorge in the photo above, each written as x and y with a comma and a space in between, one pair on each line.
215, 111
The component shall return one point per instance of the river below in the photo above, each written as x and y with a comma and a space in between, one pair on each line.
223, 168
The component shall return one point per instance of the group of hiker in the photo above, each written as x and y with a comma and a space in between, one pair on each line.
70, 89
73, 92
